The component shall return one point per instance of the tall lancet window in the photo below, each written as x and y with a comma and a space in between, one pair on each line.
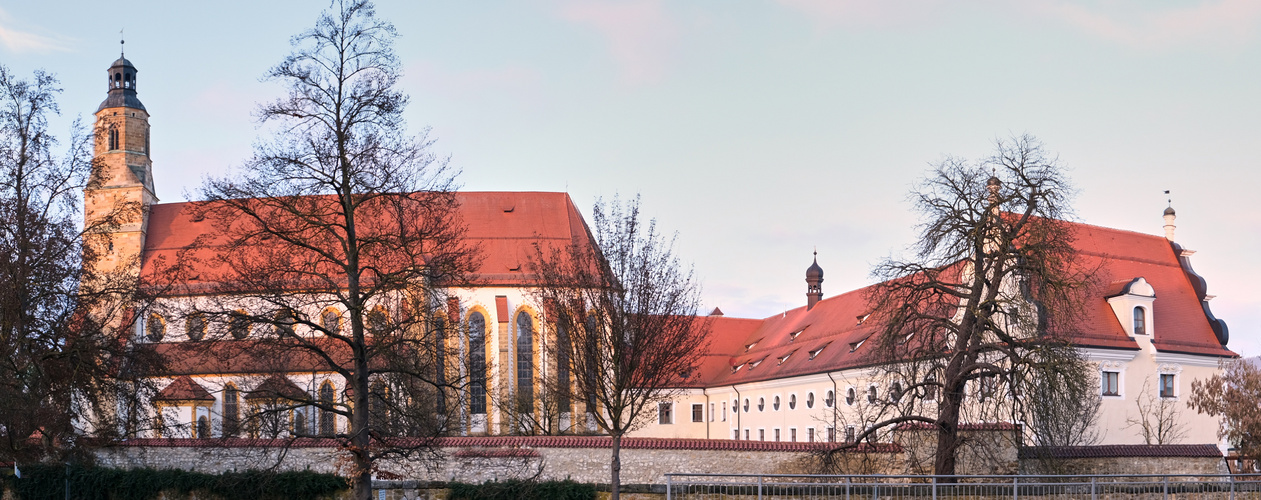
562, 369
477, 363
525, 362
327, 424
113, 138
231, 411
1140, 321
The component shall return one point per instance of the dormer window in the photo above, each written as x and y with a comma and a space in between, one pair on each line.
737, 367
1140, 321
785, 357
748, 347
816, 352
793, 336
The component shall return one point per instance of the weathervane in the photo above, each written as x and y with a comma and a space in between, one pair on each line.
1170, 199
121, 41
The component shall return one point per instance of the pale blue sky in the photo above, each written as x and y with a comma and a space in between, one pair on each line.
758, 130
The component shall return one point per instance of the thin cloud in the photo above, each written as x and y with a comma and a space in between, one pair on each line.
831, 14
1224, 22
25, 42
639, 33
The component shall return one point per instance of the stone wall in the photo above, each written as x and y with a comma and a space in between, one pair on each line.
475, 460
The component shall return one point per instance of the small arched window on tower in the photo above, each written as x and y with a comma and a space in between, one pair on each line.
1140, 321
113, 138
127, 80
118, 80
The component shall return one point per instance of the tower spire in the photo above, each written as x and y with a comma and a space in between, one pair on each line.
121, 41
1170, 216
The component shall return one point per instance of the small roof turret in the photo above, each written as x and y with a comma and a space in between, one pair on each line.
814, 272
121, 78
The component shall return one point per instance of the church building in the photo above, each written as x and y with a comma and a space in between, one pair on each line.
797, 376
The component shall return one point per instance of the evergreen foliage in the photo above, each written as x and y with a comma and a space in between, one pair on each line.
48, 482
523, 490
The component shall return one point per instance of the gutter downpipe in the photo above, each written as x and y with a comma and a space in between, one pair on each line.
737, 411
705, 391
836, 396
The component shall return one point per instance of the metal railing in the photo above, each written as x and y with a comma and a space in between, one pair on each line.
1084, 487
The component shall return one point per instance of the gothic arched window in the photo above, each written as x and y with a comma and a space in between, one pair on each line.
231, 411
327, 426
525, 362
113, 138
562, 369
477, 363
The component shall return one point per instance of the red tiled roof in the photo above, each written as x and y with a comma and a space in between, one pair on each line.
834, 323
1122, 450
276, 387
246, 356
504, 224
184, 389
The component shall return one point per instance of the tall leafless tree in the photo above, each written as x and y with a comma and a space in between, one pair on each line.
66, 361
981, 313
334, 249
624, 312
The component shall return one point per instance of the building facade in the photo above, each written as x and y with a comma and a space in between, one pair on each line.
800, 376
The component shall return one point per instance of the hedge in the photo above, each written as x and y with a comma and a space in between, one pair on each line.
524, 490
48, 482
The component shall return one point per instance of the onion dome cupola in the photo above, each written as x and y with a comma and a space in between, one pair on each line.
122, 86
814, 283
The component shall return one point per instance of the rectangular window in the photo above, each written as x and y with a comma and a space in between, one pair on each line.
711, 412
1167, 385
849, 434
810, 434
761, 434
1111, 384
663, 413
746, 434
735, 434
698, 412
792, 435
831, 434
724, 411
776, 435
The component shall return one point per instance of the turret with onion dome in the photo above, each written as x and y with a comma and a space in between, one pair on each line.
814, 283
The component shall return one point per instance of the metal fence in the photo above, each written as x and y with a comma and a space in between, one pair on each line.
1098, 487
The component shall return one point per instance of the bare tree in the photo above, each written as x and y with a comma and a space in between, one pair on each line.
1158, 419
333, 253
977, 319
624, 311
1233, 395
67, 367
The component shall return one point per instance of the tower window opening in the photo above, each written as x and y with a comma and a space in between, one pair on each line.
113, 138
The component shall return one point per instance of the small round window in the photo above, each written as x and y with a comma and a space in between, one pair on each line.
792, 401
809, 400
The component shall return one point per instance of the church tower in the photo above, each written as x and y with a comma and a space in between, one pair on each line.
120, 192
